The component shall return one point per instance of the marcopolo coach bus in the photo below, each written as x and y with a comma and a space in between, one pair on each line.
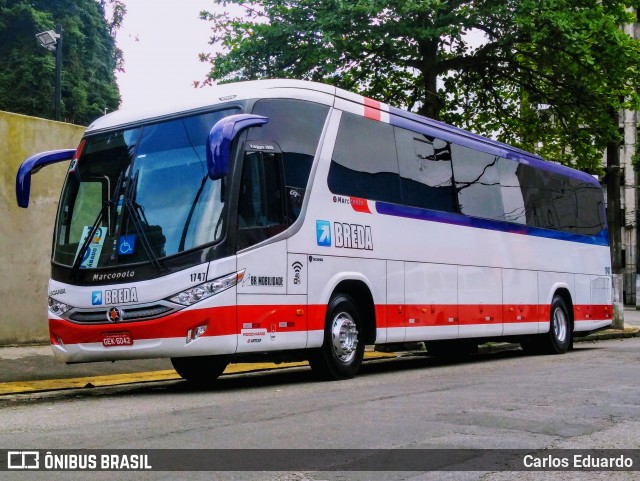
293, 220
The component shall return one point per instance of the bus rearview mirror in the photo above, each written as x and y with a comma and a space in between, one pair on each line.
221, 138
32, 165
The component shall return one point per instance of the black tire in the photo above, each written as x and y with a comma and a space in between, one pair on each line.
559, 339
342, 351
199, 370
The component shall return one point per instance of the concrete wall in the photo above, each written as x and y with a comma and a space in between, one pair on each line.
25, 234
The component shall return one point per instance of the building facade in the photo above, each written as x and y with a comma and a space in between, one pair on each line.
629, 123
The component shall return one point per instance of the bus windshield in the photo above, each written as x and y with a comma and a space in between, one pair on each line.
144, 193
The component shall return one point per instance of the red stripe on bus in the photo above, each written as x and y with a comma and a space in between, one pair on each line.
514, 313
478, 314
360, 205
230, 320
220, 321
372, 109
592, 312
280, 318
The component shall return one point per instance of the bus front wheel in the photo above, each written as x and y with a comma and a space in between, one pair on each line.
342, 351
199, 370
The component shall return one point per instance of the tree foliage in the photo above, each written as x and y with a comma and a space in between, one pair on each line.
546, 75
89, 57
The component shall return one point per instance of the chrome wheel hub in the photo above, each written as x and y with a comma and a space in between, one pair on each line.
344, 336
560, 324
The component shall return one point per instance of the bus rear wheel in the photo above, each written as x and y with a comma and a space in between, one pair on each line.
199, 370
559, 339
342, 351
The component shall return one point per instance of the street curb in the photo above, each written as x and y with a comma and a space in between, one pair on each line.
111, 380
402, 350
627, 332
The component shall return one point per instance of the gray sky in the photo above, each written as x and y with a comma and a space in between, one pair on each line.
161, 40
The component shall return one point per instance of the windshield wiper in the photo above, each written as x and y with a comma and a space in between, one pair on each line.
183, 237
132, 207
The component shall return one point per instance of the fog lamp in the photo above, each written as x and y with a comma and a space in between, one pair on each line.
196, 332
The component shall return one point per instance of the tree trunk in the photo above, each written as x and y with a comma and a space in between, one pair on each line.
432, 102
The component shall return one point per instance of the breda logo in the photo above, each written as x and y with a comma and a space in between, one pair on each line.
346, 236
120, 296
353, 236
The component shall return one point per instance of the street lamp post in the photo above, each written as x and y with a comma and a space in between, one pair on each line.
52, 41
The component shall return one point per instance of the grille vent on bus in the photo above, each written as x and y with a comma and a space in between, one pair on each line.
132, 313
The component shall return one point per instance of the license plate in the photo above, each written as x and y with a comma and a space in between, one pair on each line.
117, 339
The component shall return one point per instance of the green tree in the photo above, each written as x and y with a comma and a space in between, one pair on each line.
89, 56
567, 56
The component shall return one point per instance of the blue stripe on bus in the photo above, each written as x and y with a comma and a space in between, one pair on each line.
601, 239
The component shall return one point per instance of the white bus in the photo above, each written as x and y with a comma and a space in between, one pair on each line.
294, 220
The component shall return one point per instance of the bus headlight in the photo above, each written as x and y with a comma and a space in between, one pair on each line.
57, 307
207, 289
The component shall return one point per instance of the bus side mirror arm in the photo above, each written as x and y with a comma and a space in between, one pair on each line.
221, 137
32, 165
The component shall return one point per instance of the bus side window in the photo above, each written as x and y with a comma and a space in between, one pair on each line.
296, 125
477, 181
365, 162
425, 171
261, 202
512, 199
557, 202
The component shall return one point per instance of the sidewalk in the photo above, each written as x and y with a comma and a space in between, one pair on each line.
631, 316
35, 363
27, 367
631, 328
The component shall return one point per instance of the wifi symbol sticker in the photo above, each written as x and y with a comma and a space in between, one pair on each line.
297, 267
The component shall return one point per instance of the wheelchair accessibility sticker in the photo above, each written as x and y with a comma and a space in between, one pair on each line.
126, 245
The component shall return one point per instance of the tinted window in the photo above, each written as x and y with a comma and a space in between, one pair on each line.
425, 171
556, 202
512, 199
591, 210
538, 193
477, 181
364, 162
173, 206
181, 204
296, 126
261, 205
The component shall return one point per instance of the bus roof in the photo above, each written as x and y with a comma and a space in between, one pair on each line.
204, 98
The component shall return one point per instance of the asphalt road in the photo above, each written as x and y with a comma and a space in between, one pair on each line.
586, 399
